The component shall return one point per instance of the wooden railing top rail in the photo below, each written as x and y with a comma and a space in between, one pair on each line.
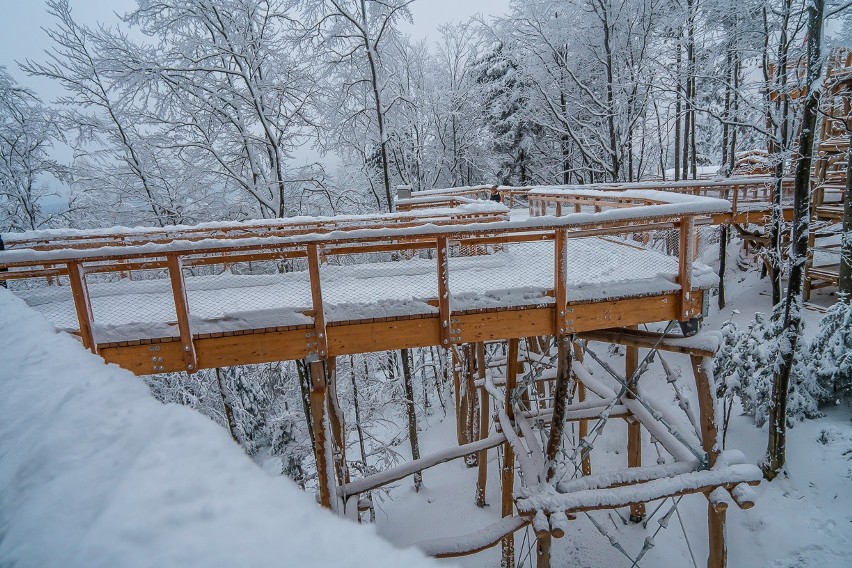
126, 236
666, 208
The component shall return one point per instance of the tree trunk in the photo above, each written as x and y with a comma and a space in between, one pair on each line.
226, 406
412, 415
777, 446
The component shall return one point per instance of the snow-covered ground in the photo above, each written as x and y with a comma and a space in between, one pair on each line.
94, 472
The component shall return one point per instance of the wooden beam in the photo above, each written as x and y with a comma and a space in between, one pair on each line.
442, 258
82, 305
322, 443
320, 344
647, 340
182, 312
484, 424
560, 273
687, 243
634, 427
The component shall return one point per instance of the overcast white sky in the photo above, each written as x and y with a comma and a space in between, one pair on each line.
21, 36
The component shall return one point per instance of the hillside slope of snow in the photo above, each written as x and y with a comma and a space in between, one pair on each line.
95, 472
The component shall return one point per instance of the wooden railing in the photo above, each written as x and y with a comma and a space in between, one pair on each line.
77, 264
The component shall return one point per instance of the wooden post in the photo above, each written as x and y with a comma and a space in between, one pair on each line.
687, 237
718, 555
634, 427
182, 311
583, 429
542, 551
560, 398
484, 421
319, 346
471, 402
560, 272
322, 449
82, 305
442, 256
723, 246
507, 475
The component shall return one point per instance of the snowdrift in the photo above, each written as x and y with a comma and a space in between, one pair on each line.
95, 472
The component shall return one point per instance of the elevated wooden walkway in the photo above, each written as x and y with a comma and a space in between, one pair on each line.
157, 301
461, 277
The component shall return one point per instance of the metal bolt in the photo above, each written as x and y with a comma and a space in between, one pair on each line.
186, 348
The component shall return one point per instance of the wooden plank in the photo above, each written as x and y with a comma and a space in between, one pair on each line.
383, 336
182, 311
82, 305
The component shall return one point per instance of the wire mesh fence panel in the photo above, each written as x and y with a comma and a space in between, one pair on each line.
379, 285
132, 305
247, 295
505, 275
621, 264
52, 299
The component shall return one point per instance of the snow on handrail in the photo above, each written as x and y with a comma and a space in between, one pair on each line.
667, 206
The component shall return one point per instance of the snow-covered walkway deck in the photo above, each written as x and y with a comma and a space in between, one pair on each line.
374, 288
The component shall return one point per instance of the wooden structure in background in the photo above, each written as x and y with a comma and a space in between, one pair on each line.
830, 172
555, 335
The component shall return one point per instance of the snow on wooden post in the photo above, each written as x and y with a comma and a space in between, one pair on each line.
82, 305
507, 475
175, 267
319, 346
687, 239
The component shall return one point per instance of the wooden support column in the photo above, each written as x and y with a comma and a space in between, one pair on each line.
560, 399
470, 401
484, 422
507, 475
322, 443
542, 550
182, 311
702, 369
319, 346
442, 256
583, 428
82, 305
560, 273
687, 240
458, 370
723, 252
634, 427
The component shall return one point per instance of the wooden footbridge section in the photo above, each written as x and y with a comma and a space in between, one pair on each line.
516, 305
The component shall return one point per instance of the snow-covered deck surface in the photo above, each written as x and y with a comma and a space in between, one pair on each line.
522, 275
